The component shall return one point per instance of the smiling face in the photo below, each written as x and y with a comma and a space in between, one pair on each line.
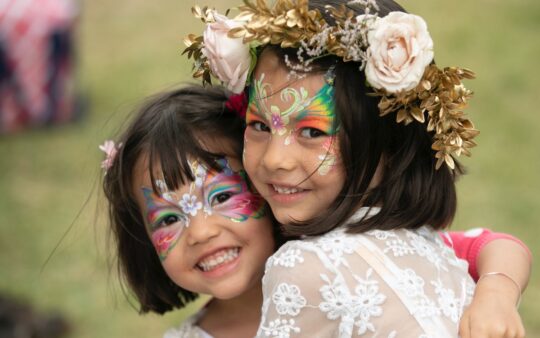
291, 150
211, 235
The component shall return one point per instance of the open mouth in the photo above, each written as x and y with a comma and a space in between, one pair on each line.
286, 190
218, 259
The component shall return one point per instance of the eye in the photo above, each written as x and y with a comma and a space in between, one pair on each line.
259, 126
221, 198
311, 132
169, 219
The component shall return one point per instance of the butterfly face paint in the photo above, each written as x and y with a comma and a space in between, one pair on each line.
304, 114
165, 222
224, 193
227, 194
319, 113
315, 112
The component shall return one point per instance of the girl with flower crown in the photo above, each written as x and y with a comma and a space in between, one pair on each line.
163, 230
352, 137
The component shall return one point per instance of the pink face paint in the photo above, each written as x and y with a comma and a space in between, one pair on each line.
228, 194
165, 221
328, 159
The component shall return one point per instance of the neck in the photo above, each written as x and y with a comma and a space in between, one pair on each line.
235, 317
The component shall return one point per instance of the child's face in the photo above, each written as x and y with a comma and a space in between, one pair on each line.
211, 235
291, 149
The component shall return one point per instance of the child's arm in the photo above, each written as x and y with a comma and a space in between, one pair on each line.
493, 311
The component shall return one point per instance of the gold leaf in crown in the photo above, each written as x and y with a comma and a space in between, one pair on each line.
437, 97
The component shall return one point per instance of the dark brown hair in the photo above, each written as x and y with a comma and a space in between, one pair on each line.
167, 128
411, 192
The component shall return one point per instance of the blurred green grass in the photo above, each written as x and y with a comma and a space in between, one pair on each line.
130, 49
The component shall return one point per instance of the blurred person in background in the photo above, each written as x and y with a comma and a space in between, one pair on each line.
37, 84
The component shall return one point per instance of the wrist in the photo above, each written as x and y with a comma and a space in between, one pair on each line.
500, 283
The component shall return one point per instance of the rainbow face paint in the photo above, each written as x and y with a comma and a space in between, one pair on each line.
225, 193
165, 222
304, 113
312, 112
319, 113
228, 194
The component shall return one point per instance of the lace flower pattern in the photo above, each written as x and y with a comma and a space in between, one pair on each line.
398, 283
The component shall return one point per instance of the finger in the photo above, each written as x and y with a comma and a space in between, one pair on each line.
464, 327
520, 330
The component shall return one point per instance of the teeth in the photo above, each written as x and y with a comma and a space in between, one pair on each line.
283, 190
218, 259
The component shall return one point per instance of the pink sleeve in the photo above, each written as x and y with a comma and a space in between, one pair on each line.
468, 244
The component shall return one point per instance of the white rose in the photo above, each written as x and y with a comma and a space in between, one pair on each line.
229, 58
400, 49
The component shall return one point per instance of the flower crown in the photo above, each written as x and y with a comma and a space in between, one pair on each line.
395, 52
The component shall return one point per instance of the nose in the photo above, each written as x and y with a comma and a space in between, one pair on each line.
279, 153
202, 229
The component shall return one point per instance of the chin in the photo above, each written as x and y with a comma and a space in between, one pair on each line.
228, 293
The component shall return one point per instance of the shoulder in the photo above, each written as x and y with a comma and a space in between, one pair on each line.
313, 253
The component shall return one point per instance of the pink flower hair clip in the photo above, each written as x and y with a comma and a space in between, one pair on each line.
110, 150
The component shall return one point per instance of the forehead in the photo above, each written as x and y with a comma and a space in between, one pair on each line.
141, 172
274, 73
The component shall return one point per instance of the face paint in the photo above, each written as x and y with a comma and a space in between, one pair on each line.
278, 119
320, 113
328, 159
225, 193
228, 195
315, 112
165, 221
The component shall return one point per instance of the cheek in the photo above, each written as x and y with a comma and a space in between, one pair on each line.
329, 160
175, 268
262, 238
251, 153
164, 240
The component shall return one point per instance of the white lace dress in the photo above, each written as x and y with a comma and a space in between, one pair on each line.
399, 283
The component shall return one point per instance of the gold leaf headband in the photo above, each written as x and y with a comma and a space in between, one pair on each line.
403, 75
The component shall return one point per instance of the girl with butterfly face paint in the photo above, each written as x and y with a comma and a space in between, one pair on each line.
183, 213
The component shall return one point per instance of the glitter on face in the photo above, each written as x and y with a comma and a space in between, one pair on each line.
328, 159
229, 196
166, 222
320, 113
225, 193
312, 112
317, 113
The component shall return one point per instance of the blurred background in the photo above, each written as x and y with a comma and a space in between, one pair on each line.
125, 50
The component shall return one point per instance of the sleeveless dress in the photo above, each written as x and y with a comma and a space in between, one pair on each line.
397, 283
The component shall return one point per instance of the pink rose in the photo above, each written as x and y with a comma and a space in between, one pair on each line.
400, 49
229, 58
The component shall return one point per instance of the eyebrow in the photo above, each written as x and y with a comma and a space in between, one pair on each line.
325, 92
326, 96
154, 203
255, 112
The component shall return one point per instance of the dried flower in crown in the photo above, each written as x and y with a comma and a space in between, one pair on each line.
395, 52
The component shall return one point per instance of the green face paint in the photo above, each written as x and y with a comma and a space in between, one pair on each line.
225, 193
312, 112
166, 222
